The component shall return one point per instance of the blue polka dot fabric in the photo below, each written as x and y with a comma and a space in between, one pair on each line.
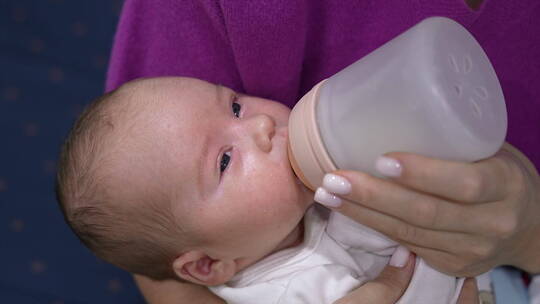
53, 57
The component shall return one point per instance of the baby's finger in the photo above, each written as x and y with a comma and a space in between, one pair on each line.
410, 206
478, 182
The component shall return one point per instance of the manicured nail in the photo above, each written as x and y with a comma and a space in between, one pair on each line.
326, 198
336, 184
388, 166
400, 257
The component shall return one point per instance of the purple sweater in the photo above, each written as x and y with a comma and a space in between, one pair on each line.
279, 49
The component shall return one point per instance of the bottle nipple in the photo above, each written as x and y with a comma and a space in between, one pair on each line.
307, 153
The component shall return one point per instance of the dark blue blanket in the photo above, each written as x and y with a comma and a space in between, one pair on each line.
53, 56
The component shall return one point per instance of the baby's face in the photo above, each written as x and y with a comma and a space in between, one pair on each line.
222, 158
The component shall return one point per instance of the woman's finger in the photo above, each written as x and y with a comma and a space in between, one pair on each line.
483, 181
387, 288
451, 263
416, 208
469, 292
402, 232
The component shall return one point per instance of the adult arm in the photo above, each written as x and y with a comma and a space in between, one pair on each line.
174, 292
386, 288
462, 218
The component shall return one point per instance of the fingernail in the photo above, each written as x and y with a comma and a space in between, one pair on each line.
328, 199
336, 184
400, 257
388, 166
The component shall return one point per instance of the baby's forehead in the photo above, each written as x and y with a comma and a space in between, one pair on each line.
174, 98
156, 98
164, 113
169, 87
167, 119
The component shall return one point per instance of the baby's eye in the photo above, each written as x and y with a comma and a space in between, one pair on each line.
224, 162
236, 107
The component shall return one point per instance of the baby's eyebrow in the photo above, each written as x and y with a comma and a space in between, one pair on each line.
223, 94
218, 97
201, 167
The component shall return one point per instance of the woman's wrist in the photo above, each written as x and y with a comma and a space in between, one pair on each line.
530, 262
527, 256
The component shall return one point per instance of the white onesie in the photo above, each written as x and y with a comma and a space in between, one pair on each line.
336, 256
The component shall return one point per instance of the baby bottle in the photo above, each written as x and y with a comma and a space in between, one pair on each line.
430, 90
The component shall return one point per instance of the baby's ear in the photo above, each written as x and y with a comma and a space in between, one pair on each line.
197, 267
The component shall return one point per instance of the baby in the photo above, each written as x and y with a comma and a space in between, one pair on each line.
180, 178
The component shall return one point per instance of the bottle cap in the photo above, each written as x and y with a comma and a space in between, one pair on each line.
307, 153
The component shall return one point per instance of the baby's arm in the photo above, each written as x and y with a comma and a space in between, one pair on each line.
174, 292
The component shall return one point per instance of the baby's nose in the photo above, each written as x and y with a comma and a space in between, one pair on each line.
264, 128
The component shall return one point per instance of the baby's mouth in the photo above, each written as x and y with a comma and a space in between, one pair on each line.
284, 132
292, 163
298, 176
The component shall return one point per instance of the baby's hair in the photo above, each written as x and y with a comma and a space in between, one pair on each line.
136, 235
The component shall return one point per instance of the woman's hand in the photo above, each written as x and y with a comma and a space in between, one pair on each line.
392, 282
462, 218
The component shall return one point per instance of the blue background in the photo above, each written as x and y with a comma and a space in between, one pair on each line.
53, 58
